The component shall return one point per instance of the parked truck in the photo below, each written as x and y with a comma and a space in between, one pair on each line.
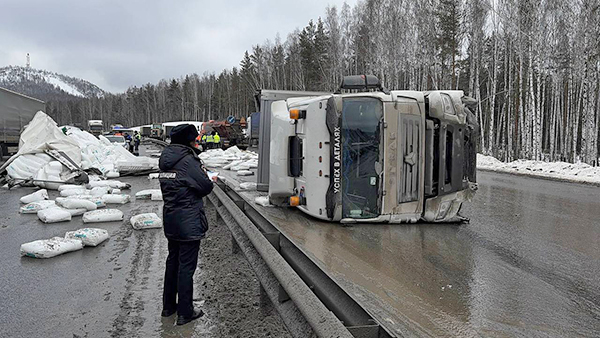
95, 127
231, 132
16, 111
145, 130
365, 154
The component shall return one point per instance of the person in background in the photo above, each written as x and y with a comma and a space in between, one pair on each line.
129, 142
183, 182
217, 140
210, 141
137, 139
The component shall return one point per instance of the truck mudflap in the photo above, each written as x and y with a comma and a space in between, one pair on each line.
333, 198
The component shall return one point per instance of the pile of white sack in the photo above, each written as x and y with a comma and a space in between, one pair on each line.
73, 241
77, 200
85, 150
234, 159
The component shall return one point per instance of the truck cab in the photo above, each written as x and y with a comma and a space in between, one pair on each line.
369, 155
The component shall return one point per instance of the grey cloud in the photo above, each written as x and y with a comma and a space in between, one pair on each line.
116, 44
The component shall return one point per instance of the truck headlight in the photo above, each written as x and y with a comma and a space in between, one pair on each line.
444, 210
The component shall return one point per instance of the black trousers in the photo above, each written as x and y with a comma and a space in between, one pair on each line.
178, 291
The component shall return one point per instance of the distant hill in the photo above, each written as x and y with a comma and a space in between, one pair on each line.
46, 85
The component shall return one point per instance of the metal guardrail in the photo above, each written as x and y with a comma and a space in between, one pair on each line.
286, 273
155, 141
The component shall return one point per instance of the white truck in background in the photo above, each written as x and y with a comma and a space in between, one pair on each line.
95, 127
371, 155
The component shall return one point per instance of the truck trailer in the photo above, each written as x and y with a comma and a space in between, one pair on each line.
16, 111
365, 154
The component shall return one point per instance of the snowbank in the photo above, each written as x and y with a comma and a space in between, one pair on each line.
573, 172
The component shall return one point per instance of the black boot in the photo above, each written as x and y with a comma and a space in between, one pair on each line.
168, 313
181, 320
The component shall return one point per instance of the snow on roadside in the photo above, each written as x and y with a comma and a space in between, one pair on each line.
574, 172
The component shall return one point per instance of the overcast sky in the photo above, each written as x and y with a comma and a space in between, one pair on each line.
117, 44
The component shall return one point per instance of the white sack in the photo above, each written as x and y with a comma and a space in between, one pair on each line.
146, 221
245, 173
112, 174
116, 199
72, 192
34, 207
37, 196
99, 191
262, 200
110, 183
70, 187
248, 185
105, 215
54, 215
89, 236
116, 191
75, 203
145, 194
46, 248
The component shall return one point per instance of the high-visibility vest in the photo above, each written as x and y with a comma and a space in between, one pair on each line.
217, 138
210, 139
204, 138
138, 136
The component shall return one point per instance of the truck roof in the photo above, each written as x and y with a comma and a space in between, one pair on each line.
29, 97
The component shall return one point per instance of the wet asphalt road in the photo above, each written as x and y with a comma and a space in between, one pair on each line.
527, 265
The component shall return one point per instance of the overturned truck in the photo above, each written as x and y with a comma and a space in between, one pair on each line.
365, 154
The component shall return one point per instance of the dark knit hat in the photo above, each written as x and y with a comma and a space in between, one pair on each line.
183, 134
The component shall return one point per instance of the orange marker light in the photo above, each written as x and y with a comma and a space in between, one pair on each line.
295, 114
294, 201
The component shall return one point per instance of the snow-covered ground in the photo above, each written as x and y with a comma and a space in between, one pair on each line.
573, 172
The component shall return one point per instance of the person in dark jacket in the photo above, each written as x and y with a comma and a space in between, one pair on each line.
183, 182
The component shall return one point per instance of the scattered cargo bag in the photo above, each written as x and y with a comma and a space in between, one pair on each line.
70, 187
112, 174
157, 196
104, 215
116, 191
245, 173
75, 203
75, 212
96, 199
233, 164
99, 191
262, 200
37, 196
145, 194
116, 199
248, 185
89, 236
54, 215
46, 248
71, 192
110, 183
34, 207
146, 221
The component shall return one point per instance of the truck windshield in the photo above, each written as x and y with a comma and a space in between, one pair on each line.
361, 118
